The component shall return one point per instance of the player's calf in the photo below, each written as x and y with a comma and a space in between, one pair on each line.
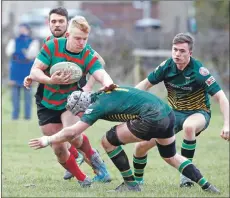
168, 152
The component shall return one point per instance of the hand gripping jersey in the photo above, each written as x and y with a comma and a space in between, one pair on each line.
54, 51
125, 103
187, 89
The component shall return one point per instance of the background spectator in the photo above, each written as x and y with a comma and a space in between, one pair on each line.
22, 50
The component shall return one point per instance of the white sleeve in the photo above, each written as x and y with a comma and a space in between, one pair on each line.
33, 50
10, 48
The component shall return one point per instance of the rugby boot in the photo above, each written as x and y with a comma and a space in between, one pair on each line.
212, 189
124, 187
185, 182
100, 169
140, 181
86, 183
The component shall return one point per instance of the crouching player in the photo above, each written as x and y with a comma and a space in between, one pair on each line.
145, 116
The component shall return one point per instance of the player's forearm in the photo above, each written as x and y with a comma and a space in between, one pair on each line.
224, 108
90, 83
103, 77
39, 76
66, 134
143, 85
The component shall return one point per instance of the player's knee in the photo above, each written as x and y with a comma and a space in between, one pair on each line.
112, 138
167, 151
105, 143
189, 129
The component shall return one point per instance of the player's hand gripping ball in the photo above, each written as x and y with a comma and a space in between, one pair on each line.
68, 67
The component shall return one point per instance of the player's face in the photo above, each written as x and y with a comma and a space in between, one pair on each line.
181, 53
77, 39
58, 25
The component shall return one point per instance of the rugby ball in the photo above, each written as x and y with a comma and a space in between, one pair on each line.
76, 72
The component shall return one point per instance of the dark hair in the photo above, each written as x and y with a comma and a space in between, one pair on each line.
184, 38
60, 11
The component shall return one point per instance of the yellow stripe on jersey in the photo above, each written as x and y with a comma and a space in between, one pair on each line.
121, 117
192, 101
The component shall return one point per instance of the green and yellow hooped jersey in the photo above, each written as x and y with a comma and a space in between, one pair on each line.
188, 89
54, 51
125, 103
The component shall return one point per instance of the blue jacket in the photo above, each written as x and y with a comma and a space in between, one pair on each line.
19, 65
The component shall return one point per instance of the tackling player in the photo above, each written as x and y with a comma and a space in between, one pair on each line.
145, 116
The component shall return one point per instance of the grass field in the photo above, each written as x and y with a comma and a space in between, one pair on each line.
29, 173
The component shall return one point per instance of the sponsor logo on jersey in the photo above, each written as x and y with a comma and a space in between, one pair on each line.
88, 111
178, 87
203, 71
210, 81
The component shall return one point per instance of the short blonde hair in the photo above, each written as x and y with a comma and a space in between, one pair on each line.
79, 22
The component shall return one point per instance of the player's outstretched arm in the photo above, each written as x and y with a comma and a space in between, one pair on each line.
90, 83
66, 134
103, 77
144, 85
221, 98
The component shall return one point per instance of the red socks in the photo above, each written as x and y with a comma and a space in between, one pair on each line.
86, 147
73, 151
72, 167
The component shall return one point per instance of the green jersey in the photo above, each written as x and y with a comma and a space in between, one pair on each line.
48, 38
52, 37
188, 89
54, 51
125, 103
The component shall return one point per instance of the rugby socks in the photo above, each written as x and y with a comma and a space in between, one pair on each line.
120, 160
139, 164
86, 147
190, 171
188, 149
73, 168
73, 151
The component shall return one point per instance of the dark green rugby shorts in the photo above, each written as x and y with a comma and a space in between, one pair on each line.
181, 116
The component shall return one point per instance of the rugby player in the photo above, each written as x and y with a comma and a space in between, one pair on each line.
144, 116
56, 89
189, 84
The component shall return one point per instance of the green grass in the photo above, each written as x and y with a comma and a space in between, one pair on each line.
29, 173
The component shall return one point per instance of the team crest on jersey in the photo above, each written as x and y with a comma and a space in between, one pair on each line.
203, 71
88, 111
210, 80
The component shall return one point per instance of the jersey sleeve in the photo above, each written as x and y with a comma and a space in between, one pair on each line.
208, 81
46, 52
92, 114
92, 64
90, 49
158, 74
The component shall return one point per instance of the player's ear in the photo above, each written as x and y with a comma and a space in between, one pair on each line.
67, 34
190, 52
